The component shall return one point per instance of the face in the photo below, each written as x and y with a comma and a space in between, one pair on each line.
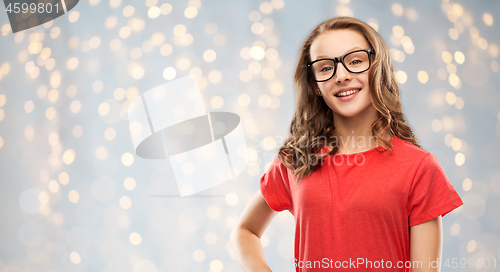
335, 43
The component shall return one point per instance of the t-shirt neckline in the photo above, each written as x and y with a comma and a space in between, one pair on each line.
325, 150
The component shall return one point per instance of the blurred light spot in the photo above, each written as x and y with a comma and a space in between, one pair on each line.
257, 52
245, 53
455, 229
145, 266
135, 239
264, 240
446, 56
279, 4
183, 64
453, 33
397, 9
459, 159
401, 77
244, 100
154, 12
129, 183
1, 142
110, 22
73, 196
210, 28
179, 30
29, 132
268, 143
127, 159
423, 77
483, 43
125, 202
451, 98
196, 72
245, 75
136, 24
165, 9
75, 106
128, 11
63, 178
69, 156
210, 238
104, 109
257, 28
217, 265
77, 131
467, 184
72, 63
398, 31
459, 103
459, 57
457, 9
186, 39
115, 44
50, 113
448, 138
254, 16
43, 197
138, 72
495, 66
411, 14
190, 12
136, 53
436, 125
125, 32
75, 257
456, 144
217, 102
166, 49
442, 74
73, 16
488, 19
454, 80
471, 246
101, 152
214, 76
199, 255
28, 106
158, 38
110, 134
53, 138
97, 86
494, 50
266, 7
232, 199
209, 55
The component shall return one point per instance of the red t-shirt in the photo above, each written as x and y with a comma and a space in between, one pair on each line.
357, 208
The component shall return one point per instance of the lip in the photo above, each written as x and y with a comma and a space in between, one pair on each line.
350, 97
346, 89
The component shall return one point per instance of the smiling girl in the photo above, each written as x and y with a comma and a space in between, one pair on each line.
381, 211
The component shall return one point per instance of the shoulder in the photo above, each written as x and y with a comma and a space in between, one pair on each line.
408, 151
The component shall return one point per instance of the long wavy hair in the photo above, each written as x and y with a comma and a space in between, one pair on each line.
312, 124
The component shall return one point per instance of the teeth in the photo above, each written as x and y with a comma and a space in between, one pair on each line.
348, 92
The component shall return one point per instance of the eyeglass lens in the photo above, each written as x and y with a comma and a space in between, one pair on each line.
355, 62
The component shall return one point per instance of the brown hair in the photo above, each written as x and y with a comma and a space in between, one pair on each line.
312, 123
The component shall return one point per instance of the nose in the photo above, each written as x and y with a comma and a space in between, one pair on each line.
342, 75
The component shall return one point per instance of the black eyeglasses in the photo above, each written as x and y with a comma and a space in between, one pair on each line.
356, 61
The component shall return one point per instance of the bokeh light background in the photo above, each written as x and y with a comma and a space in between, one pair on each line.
75, 197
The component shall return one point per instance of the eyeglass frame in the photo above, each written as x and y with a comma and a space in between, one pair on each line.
340, 59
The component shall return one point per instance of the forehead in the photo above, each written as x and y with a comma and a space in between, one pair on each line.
334, 43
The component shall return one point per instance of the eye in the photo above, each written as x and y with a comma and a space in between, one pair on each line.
355, 62
325, 69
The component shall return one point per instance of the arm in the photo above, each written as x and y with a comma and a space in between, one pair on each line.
245, 237
426, 241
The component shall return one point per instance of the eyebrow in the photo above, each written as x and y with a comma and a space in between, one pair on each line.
350, 50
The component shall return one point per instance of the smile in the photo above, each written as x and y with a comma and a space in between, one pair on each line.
347, 93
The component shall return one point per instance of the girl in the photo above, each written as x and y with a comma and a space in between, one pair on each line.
365, 196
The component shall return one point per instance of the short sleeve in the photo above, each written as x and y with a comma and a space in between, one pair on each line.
275, 187
431, 193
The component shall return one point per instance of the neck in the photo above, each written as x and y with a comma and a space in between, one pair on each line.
354, 134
